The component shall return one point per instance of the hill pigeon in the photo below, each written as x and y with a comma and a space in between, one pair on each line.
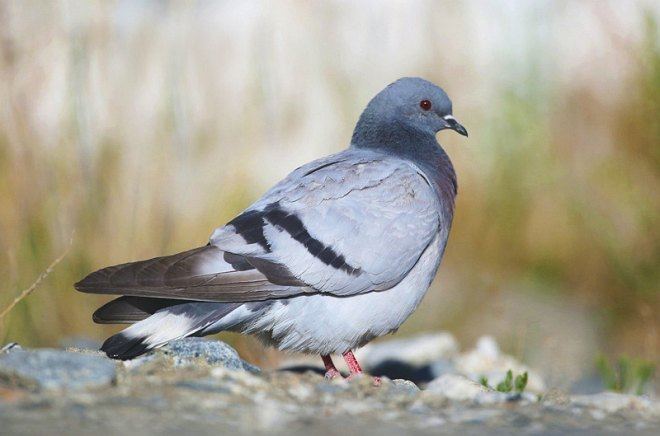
338, 253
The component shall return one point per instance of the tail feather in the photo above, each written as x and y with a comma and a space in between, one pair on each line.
128, 310
122, 347
165, 325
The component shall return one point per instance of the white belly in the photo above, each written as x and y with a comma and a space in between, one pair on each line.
326, 324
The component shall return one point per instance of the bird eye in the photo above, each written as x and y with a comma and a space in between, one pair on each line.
425, 104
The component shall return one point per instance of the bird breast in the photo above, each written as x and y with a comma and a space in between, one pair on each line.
326, 324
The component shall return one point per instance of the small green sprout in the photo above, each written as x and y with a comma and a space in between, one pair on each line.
506, 385
509, 384
520, 382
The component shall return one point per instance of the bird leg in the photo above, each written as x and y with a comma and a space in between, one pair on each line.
352, 363
330, 369
355, 368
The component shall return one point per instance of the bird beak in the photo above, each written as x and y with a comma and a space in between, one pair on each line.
454, 125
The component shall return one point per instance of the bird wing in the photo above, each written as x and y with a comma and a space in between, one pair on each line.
203, 274
349, 223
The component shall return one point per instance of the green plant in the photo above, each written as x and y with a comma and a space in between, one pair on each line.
521, 382
626, 374
506, 385
509, 384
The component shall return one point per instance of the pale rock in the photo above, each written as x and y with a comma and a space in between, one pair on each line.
455, 387
486, 359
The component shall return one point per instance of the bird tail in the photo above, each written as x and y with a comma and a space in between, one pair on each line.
185, 294
165, 325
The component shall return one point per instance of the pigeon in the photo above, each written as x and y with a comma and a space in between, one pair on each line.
338, 253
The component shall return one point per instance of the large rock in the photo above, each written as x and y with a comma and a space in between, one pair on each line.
456, 387
459, 388
55, 369
191, 351
486, 360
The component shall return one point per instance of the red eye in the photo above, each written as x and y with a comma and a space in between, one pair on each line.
425, 104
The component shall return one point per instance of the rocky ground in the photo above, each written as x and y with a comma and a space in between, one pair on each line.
197, 386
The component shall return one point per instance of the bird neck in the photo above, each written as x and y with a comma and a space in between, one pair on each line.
419, 147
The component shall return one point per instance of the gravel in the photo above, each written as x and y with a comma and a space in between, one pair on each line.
197, 386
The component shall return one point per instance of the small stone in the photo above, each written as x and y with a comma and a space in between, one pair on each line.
406, 387
56, 369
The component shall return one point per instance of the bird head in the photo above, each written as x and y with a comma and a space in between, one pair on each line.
411, 105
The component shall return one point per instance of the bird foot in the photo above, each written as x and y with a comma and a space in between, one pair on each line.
331, 371
332, 374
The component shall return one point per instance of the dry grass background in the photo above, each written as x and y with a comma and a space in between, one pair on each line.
143, 125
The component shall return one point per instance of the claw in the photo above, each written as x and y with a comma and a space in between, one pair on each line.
332, 374
331, 371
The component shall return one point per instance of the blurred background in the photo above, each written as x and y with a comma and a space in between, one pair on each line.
138, 127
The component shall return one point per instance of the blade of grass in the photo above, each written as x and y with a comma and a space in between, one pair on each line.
27, 291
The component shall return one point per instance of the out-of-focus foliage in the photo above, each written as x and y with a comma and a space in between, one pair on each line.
626, 375
143, 125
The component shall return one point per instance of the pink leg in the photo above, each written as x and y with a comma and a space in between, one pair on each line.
354, 366
330, 370
351, 361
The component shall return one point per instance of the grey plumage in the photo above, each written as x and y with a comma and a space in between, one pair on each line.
339, 252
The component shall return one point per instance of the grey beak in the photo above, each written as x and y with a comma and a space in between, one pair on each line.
455, 125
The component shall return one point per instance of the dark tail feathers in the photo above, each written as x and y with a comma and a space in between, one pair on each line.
122, 347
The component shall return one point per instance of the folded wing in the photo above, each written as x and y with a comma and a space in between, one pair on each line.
350, 223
